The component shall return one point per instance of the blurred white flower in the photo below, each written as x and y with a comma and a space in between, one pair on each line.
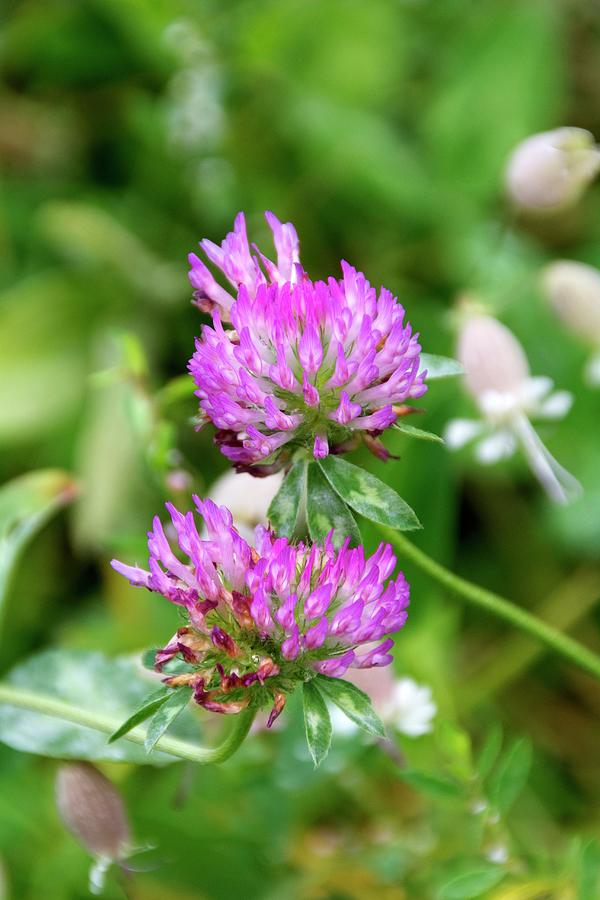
573, 291
550, 171
194, 111
400, 703
93, 811
498, 854
247, 497
497, 376
410, 708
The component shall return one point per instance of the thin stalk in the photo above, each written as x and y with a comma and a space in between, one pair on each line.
497, 606
108, 724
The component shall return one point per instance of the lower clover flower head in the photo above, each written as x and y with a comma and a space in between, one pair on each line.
549, 171
259, 622
573, 291
247, 498
315, 365
497, 376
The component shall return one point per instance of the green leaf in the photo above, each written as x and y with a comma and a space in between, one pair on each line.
148, 658
512, 774
368, 495
114, 687
588, 874
166, 715
472, 884
456, 747
325, 510
287, 503
489, 752
148, 707
418, 433
434, 785
25, 505
353, 702
317, 723
440, 366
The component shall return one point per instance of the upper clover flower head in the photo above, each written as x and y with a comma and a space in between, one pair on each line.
573, 291
309, 364
497, 376
261, 621
549, 171
239, 266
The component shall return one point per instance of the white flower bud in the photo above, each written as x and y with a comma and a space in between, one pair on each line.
491, 356
497, 375
92, 809
573, 291
247, 497
550, 171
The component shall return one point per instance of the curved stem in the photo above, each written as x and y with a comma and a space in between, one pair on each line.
498, 606
108, 724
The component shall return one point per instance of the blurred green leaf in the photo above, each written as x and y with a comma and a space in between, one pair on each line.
472, 884
289, 501
434, 785
166, 714
353, 702
25, 505
490, 750
369, 496
511, 776
90, 680
455, 744
326, 511
588, 875
317, 723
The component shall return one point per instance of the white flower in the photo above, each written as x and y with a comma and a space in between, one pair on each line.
497, 376
401, 703
247, 497
573, 291
550, 171
410, 708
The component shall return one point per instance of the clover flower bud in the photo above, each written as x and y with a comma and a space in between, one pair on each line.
314, 365
550, 171
93, 811
498, 378
573, 291
264, 621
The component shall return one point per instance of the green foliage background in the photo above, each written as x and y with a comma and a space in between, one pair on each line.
130, 129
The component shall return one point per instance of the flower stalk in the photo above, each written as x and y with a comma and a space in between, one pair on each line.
498, 606
108, 724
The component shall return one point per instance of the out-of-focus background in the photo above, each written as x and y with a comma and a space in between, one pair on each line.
131, 129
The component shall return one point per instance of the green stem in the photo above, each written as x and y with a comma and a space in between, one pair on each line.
498, 606
108, 724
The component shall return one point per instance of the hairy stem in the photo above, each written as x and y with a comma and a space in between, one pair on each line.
108, 724
497, 606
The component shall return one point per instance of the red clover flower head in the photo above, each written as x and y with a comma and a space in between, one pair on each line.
309, 364
261, 621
